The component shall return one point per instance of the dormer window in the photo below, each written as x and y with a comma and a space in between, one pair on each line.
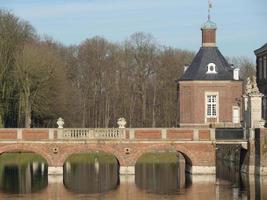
211, 69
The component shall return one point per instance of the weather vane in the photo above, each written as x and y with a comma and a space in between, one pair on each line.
210, 7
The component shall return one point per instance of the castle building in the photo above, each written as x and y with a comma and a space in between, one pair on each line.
210, 91
261, 73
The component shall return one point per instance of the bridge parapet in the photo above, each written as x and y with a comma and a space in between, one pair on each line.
90, 134
127, 134
177, 134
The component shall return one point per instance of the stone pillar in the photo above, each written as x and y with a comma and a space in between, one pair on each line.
253, 163
253, 105
255, 111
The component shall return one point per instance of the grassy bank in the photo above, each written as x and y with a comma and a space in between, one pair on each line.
20, 158
90, 158
158, 157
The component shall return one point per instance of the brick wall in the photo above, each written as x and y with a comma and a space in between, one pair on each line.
192, 100
8, 134
180, 134
138, 141
200, 154
34, 134
148, 134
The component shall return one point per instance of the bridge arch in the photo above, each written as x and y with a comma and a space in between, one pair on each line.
27, 148
84, 149
188, 155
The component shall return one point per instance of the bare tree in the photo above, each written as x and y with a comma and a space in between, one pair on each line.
13, 34
34, 70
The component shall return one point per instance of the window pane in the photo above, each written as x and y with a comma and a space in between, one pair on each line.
211, 106
214, 99
213, 110
209, 110
209, 99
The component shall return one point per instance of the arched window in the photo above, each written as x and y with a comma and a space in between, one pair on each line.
211, 68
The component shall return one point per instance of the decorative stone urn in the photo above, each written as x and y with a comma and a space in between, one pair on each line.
60, 122
121, 122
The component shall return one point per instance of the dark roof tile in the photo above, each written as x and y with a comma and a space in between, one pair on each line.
198, 68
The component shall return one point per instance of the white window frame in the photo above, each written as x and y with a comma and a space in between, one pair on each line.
209, 69
236, 108
236, 73
216, 105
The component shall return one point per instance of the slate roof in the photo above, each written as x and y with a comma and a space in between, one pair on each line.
263, 48
198, 68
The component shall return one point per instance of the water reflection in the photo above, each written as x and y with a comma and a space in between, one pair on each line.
230, 182
228, 164
25, 178
203, 187
154, 174
95, 176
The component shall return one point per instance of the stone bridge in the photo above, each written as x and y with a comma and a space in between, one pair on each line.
197, 145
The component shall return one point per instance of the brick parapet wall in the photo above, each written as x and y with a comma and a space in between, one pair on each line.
183, 134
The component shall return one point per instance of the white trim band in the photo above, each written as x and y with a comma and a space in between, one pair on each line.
55, 170
203, 170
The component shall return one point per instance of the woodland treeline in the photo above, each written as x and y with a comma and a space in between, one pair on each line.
91, 84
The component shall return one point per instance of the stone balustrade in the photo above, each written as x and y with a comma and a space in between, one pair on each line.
90, 134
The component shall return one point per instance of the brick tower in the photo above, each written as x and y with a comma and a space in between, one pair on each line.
210, 89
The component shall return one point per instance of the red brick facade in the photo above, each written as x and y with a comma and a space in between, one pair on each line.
192, 102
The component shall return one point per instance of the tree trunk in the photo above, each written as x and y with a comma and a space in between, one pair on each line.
107, 112
19, 111
84, 113
143, 96
154, 105
27, 111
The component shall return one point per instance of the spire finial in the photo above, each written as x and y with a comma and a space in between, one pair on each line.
210, 7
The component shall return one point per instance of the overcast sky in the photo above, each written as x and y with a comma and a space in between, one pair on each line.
242, 24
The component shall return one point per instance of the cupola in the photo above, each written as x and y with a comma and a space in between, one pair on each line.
209, 34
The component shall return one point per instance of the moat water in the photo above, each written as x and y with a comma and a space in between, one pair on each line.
203, 187
100, 181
